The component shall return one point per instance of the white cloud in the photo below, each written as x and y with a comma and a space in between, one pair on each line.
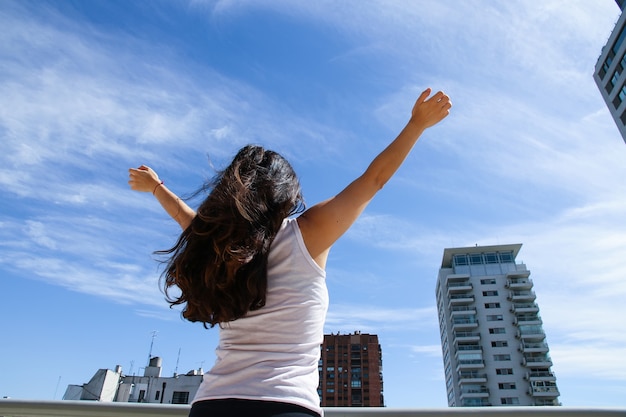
36, 231
371, 318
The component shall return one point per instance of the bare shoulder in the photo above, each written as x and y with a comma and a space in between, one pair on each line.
311, 236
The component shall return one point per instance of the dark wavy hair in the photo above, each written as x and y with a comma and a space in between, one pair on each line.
219, 262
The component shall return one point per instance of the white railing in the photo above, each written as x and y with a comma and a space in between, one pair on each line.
28, 408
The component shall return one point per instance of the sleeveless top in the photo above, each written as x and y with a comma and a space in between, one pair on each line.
272, 353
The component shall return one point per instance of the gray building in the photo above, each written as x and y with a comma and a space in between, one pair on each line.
610, 74
113, 386
492, 339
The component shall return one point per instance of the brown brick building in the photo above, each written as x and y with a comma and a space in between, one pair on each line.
351, 371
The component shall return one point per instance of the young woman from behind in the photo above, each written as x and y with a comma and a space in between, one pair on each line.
245, 262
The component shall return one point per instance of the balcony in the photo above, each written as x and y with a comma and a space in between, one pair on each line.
530, 332
464, 322
546, 402
527, 318
465, 364
462, 310
475, 402
519, 283
455, 287
457, 277
521, 308
533, 347
543, 389
522, 295
518, 274
477, 391
469, 348
466, 337
460, 299
472, 377
29, 408
540, 376
542, 361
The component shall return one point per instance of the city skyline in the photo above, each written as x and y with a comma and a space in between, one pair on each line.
529, 154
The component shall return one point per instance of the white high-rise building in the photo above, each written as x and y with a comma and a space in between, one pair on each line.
492, 339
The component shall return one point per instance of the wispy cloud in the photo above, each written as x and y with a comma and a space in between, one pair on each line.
371, 318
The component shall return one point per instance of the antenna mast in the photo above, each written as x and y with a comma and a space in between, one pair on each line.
154, 334
177, 361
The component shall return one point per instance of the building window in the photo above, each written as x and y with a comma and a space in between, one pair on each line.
611, 84
460, 260
492, 305
509, 401
497, 330
488, 281
506, 385
499, 343
506, 257
619, 41
476, 259
495, 317
355, 384
180, 397
502, 358
491, 258
504, 371
620, 97
482, 258
490, 293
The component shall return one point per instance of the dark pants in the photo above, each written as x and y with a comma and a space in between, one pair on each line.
248, 408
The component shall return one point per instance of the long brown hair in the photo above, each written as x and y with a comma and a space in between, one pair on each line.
219, 263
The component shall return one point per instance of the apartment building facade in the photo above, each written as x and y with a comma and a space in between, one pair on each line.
493, 344
610, 72
350, 370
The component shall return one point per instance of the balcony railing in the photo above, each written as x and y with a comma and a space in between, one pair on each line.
520, 308
28, 408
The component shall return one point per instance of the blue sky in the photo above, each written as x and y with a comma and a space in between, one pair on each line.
529, 155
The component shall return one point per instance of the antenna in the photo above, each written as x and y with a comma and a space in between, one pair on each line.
57, 388
154, 334
177, 360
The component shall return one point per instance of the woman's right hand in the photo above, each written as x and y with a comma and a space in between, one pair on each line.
143, 179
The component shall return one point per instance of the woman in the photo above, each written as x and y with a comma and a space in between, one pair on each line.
245, 263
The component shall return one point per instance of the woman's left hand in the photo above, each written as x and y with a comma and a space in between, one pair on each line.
143, 179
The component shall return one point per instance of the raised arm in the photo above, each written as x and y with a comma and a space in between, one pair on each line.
324, 223
146, 180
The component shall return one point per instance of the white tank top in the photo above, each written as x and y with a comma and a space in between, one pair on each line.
272, 354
